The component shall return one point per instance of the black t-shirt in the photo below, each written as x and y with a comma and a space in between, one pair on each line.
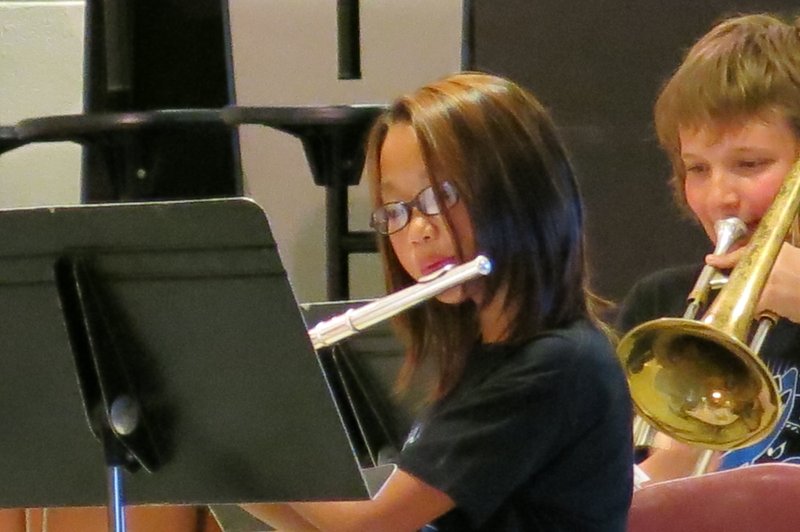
664, 293
536, 437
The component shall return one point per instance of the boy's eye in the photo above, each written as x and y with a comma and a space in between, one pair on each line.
695, 168
752, 163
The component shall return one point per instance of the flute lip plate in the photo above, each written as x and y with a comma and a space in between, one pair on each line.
484, 267
436, 274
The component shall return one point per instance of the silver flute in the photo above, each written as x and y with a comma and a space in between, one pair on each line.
354, 320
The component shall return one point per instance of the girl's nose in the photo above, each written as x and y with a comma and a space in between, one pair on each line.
421, 228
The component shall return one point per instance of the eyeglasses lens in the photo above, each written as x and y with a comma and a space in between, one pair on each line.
394, 216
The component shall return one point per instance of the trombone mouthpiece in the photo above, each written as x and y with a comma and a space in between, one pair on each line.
729, 230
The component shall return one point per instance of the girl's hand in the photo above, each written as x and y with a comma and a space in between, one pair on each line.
781, 293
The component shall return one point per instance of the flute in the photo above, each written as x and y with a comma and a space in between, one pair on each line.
328, 332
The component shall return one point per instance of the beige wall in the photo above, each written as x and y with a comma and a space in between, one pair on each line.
284, 54
41, 55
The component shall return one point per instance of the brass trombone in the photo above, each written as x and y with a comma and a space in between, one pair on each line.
697, 380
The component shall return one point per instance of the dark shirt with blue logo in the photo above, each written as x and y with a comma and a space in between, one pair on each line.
534, 438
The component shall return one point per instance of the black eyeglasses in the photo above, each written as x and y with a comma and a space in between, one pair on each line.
392, 217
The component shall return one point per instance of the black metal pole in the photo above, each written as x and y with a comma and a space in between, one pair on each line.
338, 281
468, 36
349, 39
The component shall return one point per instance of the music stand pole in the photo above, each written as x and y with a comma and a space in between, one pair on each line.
116, 502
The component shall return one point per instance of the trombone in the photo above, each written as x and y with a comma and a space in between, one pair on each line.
729, 231
701, 381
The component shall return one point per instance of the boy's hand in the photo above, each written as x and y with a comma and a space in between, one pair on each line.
781, 294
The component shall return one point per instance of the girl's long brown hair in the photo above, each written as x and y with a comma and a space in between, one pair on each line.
494, 141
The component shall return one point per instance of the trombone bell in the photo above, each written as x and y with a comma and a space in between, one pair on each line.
699, 385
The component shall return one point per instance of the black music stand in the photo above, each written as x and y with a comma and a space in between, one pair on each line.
363, 371
171, 328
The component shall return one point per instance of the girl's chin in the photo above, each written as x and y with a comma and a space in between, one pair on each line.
453, 296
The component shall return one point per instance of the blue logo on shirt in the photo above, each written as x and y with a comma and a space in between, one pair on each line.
773, 447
